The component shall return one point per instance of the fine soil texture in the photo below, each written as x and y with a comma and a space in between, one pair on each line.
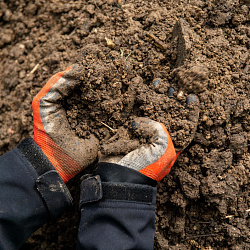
112, 93
143, 59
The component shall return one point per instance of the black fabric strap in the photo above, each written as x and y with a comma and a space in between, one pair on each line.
93, 190
127, 192
110, 172
35, 156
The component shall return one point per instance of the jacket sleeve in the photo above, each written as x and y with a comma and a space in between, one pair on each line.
117, 209
31, 193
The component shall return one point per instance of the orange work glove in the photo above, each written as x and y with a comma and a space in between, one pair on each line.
68, 153
155, 159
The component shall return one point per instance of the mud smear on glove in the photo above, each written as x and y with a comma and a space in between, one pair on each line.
112, 93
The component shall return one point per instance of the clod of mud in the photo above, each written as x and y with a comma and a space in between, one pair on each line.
191, 78
112, 93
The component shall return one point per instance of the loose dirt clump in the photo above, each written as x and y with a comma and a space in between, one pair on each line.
143, 58
112, 94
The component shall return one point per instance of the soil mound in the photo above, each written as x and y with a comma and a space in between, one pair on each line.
135, 51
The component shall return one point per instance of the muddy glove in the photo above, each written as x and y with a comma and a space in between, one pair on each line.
68, 153
156, 158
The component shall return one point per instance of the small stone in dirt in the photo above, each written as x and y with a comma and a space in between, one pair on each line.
182, 31
6, 37
189, 185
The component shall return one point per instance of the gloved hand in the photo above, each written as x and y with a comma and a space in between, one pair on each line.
156, 158
68, 153
153, 160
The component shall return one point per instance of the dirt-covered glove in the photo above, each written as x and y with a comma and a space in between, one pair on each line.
154, 159
68, 153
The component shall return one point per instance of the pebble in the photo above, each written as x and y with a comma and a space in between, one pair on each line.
180, 95
156, 82
22, 74
171, 92
204, 118
7, 15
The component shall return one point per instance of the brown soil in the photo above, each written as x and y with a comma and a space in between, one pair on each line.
132, 52
112, 93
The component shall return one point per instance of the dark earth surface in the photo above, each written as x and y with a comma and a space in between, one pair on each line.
140, 49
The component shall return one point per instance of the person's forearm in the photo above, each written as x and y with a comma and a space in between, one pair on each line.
31, 193
117, 210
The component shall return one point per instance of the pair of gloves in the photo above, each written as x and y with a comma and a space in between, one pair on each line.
70, 154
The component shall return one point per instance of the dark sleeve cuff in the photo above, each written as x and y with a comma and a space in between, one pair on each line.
93, 190
117, 209
115, 182
49, 184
